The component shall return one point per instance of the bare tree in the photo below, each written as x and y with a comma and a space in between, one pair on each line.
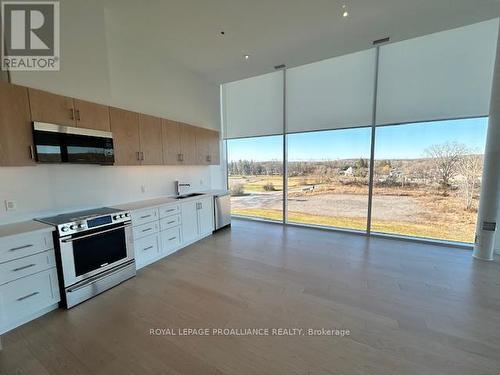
445, 158
470, 170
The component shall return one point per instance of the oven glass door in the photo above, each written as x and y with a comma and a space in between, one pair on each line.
89, 253
98, 251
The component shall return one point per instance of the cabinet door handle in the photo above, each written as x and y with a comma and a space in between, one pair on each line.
145, 216
170, 210
78, 115
147, 230
28, 296
21, 247
23, 267
209, 158
171, 222
142, 156
147, 248
32, 154
172, 238
72, 114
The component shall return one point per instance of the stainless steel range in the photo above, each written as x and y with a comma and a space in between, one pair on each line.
94, 252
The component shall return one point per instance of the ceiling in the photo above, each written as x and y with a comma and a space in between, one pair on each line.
272, 32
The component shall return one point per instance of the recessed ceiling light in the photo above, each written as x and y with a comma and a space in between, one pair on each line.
345, 11
222, 33
246, 57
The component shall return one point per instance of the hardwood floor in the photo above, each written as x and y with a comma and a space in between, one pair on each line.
410, 309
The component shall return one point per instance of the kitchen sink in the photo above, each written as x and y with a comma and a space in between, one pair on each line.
188, 195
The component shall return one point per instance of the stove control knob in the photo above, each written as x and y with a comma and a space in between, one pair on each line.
73, 227
116, 217
122, 216
127, 215
64, 229
81, 226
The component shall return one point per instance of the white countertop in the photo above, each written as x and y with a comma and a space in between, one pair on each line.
161, 201
24, 227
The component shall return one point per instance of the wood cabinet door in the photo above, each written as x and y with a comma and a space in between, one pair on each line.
92, 115
16, 133
126, 140
51, 108
171, 142
202, 146
151, 142
187, 136
214, 147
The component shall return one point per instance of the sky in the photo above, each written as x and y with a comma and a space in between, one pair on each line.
407, 141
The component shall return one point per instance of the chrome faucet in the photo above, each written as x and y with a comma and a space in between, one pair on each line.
178, 185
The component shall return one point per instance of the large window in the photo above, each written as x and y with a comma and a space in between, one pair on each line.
338, 117
427, 179
255, 176
328, 178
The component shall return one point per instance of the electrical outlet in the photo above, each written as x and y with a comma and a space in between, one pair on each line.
143, 188
201, 182
10, 205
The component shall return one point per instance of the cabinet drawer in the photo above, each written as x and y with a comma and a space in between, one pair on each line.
25, 297
170, 222
146, 249
169, 210
22, 267
145, 229
144, 216
170, 240
24, 245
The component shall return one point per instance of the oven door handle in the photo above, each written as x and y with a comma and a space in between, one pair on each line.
66, 240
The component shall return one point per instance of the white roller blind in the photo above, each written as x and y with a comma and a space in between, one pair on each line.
253, 106
445, 75
333, 93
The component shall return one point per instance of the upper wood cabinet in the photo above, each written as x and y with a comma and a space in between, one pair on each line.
151, 148
179, 143
16, 134
214, 147
202, 146
91, 115
126, 138
187, 137
170, 136
52, 108
138, 138
207, 147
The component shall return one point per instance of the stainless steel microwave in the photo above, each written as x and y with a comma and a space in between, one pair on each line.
65, 144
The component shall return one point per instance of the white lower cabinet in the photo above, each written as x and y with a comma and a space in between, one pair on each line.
170, 240
205, 216
29, 286
175, 225
26, 298
146, 250
189, 216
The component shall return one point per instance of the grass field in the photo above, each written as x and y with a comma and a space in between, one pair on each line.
428, 213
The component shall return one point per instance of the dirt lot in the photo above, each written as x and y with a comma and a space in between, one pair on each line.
348, 205
413, 212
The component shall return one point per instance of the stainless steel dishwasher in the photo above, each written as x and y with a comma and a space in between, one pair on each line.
222, 208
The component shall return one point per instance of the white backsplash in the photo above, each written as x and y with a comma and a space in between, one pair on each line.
51, 189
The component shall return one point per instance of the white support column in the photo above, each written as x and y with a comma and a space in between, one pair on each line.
489, 206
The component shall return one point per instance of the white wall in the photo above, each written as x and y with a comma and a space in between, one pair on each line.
84, 60
98, 65
49, 189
